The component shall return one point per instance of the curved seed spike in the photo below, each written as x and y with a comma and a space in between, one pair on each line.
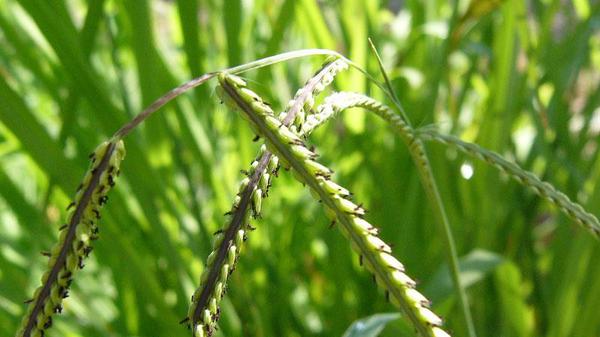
544, 189
342, 100
263, 169
367, 245
74, 243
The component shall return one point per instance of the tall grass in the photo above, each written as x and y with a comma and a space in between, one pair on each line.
518, 78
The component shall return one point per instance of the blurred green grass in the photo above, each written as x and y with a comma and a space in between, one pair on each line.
520, 78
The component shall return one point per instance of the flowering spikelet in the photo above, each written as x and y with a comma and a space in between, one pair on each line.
375, 254
204, 311
75, 239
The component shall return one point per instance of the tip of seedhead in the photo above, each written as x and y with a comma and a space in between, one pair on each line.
231, 79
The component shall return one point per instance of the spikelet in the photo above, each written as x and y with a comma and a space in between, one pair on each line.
204, 310
75, 239
376, 254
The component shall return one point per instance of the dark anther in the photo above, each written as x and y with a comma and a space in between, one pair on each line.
28, 301
79, 187
94, 171
102, 200
185, 320
46, 254
111, 180
96, 213
95, 230
80, 245
228, 213
87, 250
62, 227
244, 172
80, 264
91, 155
360, 260
250, 227
387, 295
218, 231
111, 169
48, 323
58, 309
72, 204
67, 275
332, 224
256, 138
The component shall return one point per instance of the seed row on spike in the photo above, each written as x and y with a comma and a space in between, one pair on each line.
75, 239
376, 254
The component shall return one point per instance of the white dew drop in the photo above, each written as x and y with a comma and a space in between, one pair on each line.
466, 170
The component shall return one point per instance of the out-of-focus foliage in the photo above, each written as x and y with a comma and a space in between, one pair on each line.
518, 77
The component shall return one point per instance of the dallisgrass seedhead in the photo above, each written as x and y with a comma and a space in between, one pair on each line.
75, 240
375, 254
525, 178
342, 100
204, 311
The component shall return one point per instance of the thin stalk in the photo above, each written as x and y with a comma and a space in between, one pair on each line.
419, 155
267, 61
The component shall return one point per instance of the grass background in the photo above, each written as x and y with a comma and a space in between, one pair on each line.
518, 77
